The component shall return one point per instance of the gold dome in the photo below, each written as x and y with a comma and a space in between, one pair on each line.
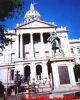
32, 14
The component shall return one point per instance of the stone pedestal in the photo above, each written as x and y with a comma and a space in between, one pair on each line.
62, 70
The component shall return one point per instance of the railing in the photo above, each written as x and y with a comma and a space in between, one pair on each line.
37, 91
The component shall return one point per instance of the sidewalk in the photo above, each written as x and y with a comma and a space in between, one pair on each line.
12, 98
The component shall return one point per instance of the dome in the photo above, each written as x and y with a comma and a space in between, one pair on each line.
32, 14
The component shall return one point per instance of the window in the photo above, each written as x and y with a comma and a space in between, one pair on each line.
27, 55
12, 43
1, 54
72, 51
12, 74
37, 54
47, 53
0, 49
29, 19
45, 37
12, 57
78, 50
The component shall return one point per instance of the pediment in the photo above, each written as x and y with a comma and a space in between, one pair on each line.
35, 24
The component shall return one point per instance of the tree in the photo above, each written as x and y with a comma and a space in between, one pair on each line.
77, 71
1, 89
8, 8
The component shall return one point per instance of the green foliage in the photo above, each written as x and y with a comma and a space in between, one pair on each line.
3, 39
77, 71
1, 33
7, 41
9, 7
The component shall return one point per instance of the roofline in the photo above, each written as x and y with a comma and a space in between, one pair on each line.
38, 21
35, 27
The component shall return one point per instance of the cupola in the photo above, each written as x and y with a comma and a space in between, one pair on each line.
32, 14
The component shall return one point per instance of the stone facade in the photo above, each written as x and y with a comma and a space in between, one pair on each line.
31, 54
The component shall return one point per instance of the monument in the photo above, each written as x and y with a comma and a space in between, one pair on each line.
56, 43
62, 65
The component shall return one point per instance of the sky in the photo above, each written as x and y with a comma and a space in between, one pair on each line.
64, 13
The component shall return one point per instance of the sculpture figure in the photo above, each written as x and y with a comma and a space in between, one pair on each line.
56, 43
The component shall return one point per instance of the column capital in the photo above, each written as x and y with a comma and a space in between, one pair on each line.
41, 32
21, 34
31, 33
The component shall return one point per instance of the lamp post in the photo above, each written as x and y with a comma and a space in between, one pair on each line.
5, 91
17, 83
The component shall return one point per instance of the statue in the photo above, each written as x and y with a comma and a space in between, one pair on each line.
56, 43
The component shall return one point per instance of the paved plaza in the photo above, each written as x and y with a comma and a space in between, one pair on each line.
11, 98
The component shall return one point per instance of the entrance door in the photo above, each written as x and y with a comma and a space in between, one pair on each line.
27, 73
38, 72
50, 74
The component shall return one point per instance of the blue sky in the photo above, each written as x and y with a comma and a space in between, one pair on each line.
62, 12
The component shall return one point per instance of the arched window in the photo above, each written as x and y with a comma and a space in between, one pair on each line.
12, 74
27, 73
39, 72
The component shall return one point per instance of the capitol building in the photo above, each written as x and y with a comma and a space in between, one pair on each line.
31, 54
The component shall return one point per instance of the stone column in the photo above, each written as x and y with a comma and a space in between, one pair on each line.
32, 48
45, 70
21, 46
76, 54
55, 75
33, 72
8, 75
42, 53
71, 74
17, 46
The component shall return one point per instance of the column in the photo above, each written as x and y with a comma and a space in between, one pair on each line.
33, 72
55, 75
45, 70
21, 46
42, 53
76, 54
32, 51
8, 75
71, 74
17, 46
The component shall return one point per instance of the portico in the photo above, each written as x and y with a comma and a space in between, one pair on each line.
33, 45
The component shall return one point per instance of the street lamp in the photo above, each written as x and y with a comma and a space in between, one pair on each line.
17, 83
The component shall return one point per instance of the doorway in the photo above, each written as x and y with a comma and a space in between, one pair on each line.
27, 74
39, 72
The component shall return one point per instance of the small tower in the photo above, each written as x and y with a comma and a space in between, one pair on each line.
32, 14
